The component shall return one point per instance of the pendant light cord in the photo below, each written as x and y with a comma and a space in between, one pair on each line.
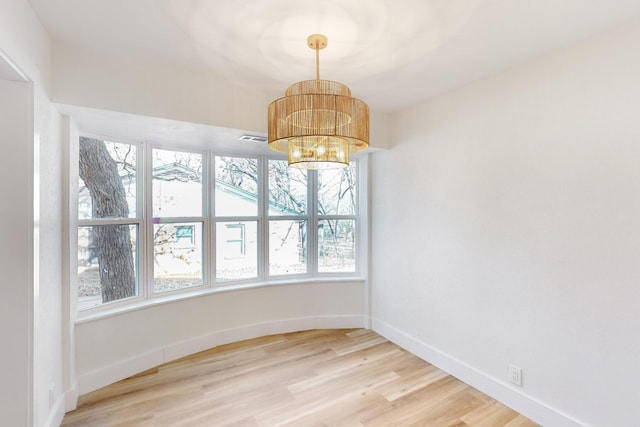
317, 61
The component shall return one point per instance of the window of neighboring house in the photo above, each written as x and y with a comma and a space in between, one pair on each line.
235, 240
185, 234
262, 221
108, 222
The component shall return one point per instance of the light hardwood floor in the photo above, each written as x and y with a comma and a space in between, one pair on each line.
313, 378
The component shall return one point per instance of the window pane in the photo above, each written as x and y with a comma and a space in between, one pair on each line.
107, 264
337, 246
337, 191
236, 186
287, 189
107, 181
236, 250
177, 184
287, 247
177, 256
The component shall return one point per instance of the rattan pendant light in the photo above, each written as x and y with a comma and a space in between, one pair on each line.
317, 123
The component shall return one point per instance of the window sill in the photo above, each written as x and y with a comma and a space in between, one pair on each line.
101, 313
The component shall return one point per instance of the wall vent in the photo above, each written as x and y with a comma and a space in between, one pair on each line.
253, 138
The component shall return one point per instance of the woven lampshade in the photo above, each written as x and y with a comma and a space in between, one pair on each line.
318, 124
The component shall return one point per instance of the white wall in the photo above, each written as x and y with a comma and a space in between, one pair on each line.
25, 41
506, 229
131, 84
48, 387
69, 268
147, 87
112, 348
16, 259
31, 210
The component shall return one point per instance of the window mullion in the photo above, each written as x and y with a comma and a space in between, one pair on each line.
140, 217
207, 276
263, 215
312, 197
108, 221
148, 221
213, 250
362, 209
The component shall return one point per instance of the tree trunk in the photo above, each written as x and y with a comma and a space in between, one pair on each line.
108, 199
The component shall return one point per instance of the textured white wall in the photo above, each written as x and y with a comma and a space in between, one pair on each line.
506, 229
31, 212
48, 286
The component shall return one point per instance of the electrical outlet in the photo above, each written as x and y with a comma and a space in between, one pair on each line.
515, 375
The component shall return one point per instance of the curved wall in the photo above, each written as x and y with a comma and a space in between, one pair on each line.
112, 348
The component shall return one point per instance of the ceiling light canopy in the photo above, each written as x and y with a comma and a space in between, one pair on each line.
317, 123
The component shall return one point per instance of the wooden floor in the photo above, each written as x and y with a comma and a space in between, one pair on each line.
314, 378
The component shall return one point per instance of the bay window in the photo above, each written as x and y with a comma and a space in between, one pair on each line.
157, 221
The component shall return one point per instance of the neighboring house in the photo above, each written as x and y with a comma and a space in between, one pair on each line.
178, 248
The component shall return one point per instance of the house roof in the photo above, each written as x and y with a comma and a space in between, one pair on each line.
179, 172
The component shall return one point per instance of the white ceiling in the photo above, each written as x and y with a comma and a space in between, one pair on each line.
392, 53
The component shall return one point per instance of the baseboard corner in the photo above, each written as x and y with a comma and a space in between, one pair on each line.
534, 409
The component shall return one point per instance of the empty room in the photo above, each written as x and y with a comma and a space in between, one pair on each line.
341, 213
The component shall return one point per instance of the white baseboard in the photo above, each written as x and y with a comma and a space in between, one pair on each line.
530, 407
71, 398
56, 414
117, 371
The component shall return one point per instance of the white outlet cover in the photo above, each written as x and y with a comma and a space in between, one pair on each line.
515, 375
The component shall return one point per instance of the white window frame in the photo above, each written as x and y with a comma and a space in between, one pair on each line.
355, 217
145, 222
259, 218
151, 220
137, 220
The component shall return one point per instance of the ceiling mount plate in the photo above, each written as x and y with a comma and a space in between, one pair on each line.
317, 41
